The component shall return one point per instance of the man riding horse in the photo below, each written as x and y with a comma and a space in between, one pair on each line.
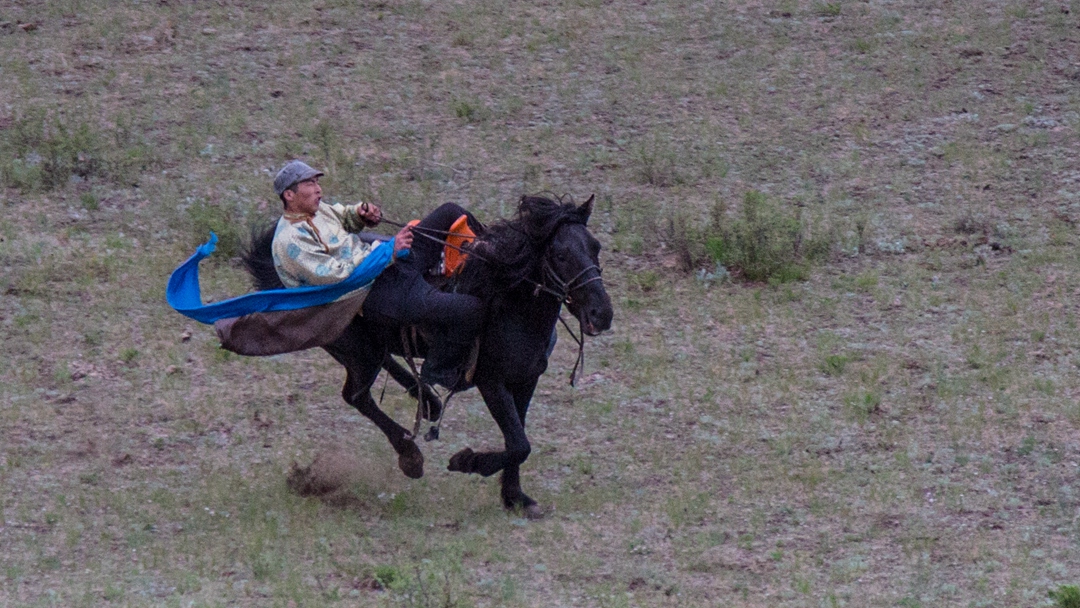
316, 243
509, 293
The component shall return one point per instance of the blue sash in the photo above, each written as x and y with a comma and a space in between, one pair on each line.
184, 296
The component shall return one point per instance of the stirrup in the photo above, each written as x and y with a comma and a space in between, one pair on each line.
474, 355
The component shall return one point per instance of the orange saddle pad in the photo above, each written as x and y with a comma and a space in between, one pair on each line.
460, 235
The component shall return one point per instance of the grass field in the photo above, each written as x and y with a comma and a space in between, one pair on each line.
888, 418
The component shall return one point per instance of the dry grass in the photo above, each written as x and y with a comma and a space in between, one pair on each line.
897, 430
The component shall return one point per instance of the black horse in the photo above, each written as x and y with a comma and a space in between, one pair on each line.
523, 270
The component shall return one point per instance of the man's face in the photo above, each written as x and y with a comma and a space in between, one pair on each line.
305, 199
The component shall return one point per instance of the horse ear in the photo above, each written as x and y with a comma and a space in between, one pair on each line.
586, 208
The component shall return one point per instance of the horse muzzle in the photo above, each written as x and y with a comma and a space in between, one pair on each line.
595, 319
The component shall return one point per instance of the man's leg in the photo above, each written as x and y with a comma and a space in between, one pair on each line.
385, 303
426, 252
455, 319
401, 294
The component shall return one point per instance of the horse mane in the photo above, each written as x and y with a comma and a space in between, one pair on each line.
509, 250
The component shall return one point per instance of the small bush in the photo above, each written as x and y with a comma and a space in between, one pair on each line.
970, 223
766, 243
388, 577
658, 165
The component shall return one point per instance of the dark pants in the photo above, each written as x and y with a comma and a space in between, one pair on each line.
401, 295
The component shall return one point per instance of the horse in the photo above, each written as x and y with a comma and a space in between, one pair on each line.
524, 270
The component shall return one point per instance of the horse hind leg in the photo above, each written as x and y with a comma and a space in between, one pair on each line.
358, 395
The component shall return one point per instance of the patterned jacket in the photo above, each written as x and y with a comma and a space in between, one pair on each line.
320, 249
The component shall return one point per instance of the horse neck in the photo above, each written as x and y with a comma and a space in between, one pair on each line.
532, 302
520, 296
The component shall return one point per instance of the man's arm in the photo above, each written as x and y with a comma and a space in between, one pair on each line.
355, 218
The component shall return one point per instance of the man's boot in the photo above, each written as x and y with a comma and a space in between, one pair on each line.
450, 364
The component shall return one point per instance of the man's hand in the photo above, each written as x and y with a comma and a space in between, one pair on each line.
403, 240
372, 214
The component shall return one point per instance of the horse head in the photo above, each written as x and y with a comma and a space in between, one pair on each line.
573, 268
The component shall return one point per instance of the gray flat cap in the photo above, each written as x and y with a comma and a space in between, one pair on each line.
294, 171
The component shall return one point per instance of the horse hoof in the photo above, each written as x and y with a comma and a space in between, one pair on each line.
459, 461
533, 512
411, 462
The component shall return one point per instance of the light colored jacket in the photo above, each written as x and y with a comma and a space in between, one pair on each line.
320, 249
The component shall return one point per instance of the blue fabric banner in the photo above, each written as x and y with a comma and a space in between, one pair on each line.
184, 295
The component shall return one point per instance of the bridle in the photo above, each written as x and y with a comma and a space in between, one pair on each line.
563, 289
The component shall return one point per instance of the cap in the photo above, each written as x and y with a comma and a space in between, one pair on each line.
294, 171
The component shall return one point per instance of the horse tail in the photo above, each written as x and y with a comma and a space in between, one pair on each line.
259, 259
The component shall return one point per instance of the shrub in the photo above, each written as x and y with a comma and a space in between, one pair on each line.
657, 164
1067, 596
766, 243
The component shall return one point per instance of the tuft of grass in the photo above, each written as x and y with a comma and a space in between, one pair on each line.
469, 111
647, 280
89, 201
113, 593
863, 405
834, 365
827, 9
862, 45
1066, 596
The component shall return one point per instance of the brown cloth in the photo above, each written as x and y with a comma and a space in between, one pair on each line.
263, 334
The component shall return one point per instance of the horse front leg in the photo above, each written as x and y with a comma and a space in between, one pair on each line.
512, 493
500, 402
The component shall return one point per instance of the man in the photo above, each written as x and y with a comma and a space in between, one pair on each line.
316, 244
